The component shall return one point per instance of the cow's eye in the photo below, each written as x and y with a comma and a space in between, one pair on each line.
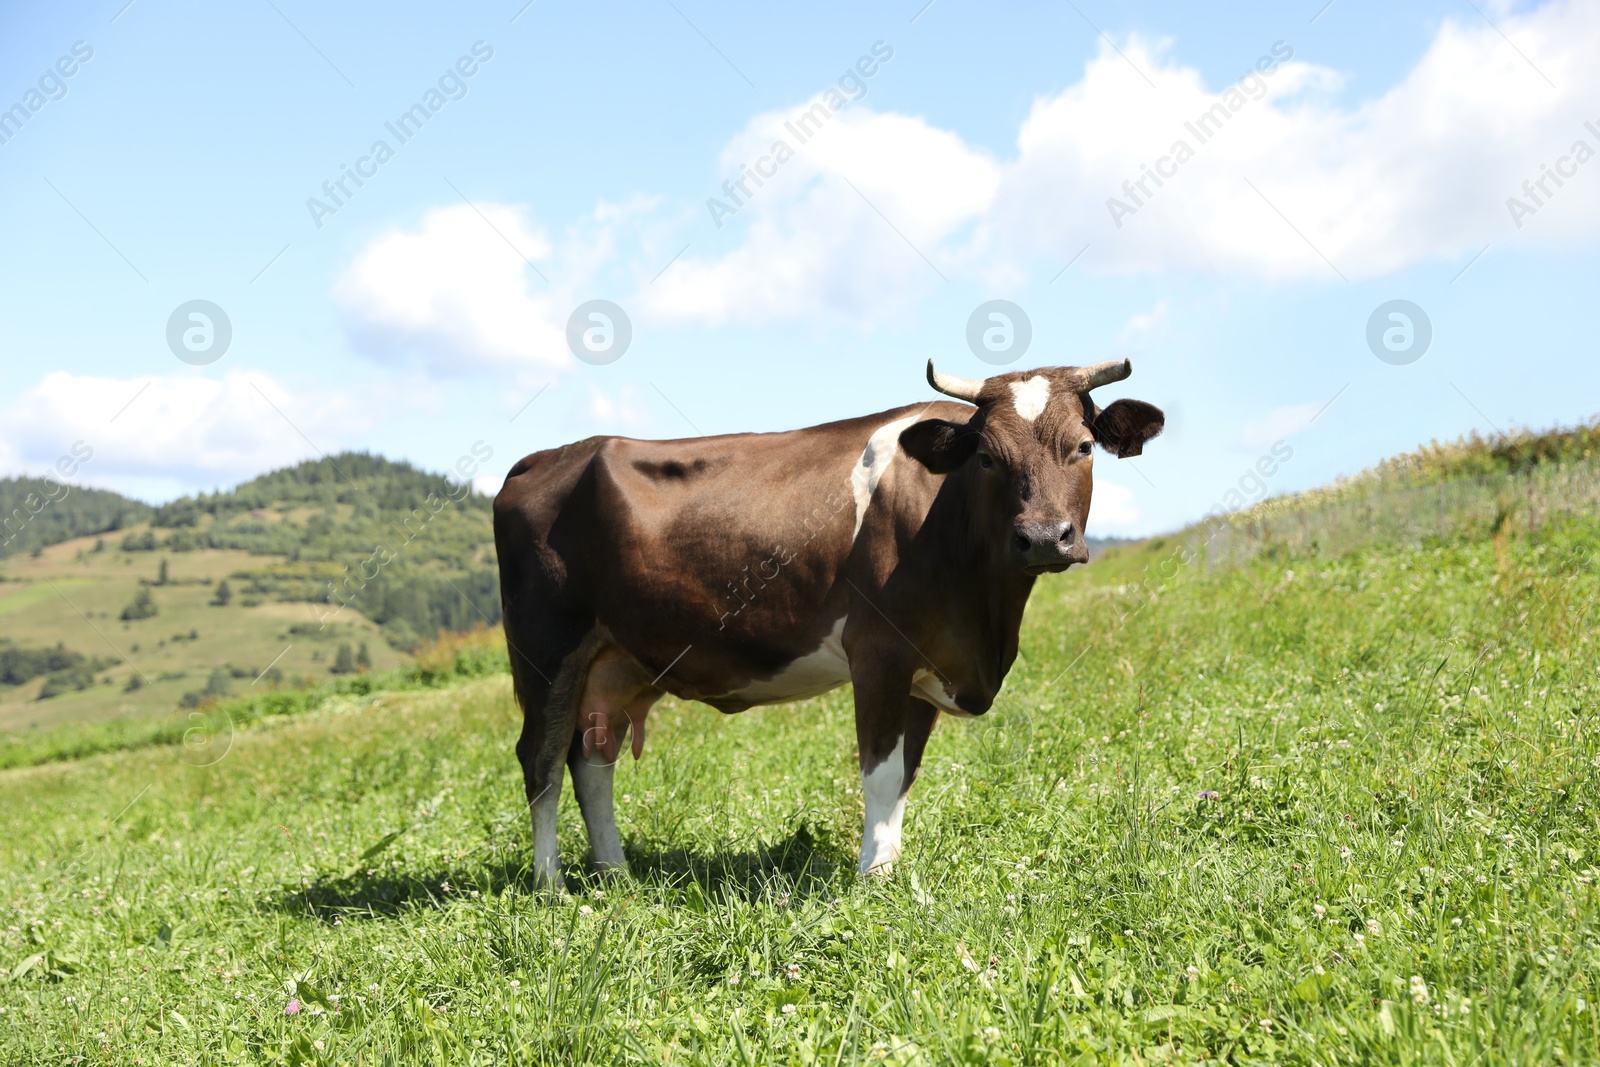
1085, 447
985, 460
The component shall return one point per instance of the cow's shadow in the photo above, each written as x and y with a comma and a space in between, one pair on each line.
796, 867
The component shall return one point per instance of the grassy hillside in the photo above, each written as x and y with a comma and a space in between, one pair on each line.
352, 550
1318, 807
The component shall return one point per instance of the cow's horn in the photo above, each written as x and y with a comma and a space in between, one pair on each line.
961, 388
1098, 374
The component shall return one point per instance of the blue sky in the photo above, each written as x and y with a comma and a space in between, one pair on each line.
1374, 162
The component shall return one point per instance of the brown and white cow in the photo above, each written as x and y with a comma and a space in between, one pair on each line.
895, 552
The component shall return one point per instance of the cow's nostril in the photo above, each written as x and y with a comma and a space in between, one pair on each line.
1066, 534
1022, 543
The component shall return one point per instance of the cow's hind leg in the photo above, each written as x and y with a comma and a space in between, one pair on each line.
617, 695
549, 722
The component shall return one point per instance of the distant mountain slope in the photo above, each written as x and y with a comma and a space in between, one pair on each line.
39, 512
411, 550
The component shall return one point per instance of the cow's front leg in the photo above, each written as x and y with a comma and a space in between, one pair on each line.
892, 729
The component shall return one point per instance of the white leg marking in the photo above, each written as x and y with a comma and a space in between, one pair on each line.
591, 781
883, 790
546, 852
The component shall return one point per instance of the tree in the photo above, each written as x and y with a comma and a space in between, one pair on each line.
219, 684
161, 577
364, 658
220, 598
344, 662
142, 607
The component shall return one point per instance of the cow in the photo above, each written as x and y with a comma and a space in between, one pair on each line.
895, 552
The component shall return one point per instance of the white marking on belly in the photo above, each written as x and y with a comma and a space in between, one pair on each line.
926, 684
883, 790
827, 667
874, 463
1030, 397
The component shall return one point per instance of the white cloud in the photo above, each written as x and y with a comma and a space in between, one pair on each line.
1422, 170
1139, 327
463, 290
1114, 509
180, 432
842, 229
616, 411
1277, 425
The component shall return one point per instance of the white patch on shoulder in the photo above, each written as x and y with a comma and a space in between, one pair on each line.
874, 463
926, 684
1030, 397
826, 668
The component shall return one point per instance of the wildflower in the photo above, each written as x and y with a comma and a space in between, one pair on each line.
1192, 972
1345, 853
1419, 990
733, 979
1359, 939
792, 971
1266, 1024
319, 1044
585, 910
1319, 911
292, 1008
788, 1009
515, 984
1372, 926
1207, 794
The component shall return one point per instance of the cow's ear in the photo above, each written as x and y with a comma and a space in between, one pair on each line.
1124, 427
938, 445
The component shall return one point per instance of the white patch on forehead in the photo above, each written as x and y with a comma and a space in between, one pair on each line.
1030, 397
874, 464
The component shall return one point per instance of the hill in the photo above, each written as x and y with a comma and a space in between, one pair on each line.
38, 512
333, 566
1311, 803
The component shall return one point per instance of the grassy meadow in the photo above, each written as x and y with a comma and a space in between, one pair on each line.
1306, 810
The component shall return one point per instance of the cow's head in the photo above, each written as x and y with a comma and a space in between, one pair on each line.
1027, 454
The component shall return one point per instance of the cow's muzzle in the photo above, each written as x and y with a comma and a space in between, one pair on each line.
1042, 547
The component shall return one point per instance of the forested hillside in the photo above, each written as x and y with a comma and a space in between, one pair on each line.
38, 512
409, 549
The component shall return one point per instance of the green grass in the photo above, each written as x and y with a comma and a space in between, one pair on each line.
1397, 864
